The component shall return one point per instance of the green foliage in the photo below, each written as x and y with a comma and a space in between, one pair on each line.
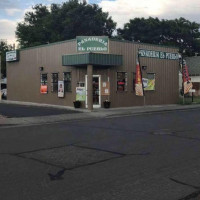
3, 48
63, 22
179, 32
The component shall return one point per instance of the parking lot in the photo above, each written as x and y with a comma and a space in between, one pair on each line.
16, 111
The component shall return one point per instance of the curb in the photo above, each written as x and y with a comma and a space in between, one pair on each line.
88, 115
42, 105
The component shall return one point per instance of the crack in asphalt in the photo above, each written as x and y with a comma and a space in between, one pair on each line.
182, 183
40, 161
190, 196
113, 152
97, 149
43, 149
69, 168
120, 155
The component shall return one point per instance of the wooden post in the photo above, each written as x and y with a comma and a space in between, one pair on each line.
90, 87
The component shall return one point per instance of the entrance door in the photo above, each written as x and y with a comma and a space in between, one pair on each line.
96, 85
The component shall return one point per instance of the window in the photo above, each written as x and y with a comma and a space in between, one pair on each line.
150, 76
121, 81
67, 81
43, 79
81, 84
54, 82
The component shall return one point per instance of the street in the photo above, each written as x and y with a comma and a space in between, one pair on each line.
154, 156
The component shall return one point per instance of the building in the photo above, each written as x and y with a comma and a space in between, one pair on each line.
193, 64
93, 69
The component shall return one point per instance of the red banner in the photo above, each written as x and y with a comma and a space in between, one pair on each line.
187, 85
138, 81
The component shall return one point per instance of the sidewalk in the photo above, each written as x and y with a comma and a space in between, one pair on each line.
96, 113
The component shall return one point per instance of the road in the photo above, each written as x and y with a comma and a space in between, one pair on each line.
140, 157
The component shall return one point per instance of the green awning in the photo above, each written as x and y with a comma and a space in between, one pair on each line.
93, 59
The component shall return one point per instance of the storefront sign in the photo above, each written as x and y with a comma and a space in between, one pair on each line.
80, 94
61, 89
92, 44
158, 54
105, 88
12, 56
43, 89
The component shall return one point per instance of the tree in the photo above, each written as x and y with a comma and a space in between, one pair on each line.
142, 30
63, 22
179, 32
3, 49
33, 31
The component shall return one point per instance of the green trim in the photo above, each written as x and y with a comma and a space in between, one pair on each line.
157, 45
111, 39
45, 45
93, 59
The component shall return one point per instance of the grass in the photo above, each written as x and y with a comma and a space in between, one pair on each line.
188, 100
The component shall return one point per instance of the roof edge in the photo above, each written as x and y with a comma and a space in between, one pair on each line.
111, 39
158, 45
50, 44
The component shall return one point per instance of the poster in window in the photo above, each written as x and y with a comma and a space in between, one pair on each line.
43, 89
105, 88
80, 94
61, 89
145, 82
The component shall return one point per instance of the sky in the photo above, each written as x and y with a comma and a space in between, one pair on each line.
12, 11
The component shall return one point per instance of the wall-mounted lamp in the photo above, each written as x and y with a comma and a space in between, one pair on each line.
144, 67
41, 68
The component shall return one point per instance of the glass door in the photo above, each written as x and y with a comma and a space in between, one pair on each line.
96, 87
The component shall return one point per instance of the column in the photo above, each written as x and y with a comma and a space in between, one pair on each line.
89, 87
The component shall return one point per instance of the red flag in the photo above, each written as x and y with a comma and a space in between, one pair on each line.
138, 81
187, 85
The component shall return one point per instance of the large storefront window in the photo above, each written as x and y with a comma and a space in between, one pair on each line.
43, 79
121, 81
54, 82
67, 81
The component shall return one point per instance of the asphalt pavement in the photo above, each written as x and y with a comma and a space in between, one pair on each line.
16, 111
117, 154
26, 113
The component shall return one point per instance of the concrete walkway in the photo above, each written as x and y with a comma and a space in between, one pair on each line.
86, 115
